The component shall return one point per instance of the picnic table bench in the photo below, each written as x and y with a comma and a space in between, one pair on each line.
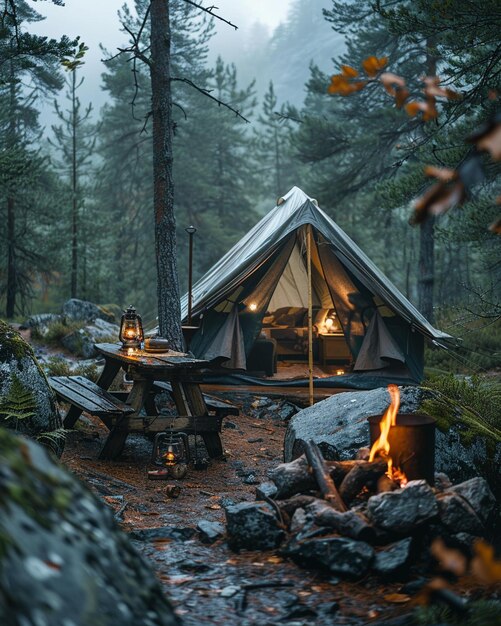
179, 375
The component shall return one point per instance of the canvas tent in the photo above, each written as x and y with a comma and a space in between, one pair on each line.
266, 272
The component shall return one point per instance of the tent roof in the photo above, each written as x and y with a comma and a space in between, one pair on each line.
296, 210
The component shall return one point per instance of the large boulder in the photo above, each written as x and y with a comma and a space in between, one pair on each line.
75, 310
464, 448
63, 559
340, 422
27, 404
81, 341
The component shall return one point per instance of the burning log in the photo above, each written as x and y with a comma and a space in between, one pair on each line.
361, 475
323, 477
385, 483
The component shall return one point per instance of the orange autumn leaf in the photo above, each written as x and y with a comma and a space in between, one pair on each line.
438, 199
340, 85
396, 598
372, 65
484, 564
495, 227
442, 173
449, 559
491, 142
428, 109
390, 81
395, 86
349, 71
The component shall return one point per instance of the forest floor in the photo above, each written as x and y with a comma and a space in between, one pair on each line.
210, 584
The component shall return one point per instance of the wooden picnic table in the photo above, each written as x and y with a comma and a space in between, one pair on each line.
180, 374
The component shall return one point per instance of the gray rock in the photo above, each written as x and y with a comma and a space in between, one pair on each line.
250, 480
477, 493
81, 341
41, 322
299, 520
457, 515
266, 490
403, 510
184, 533
253, 526
27, 404
286, 411
210, 531
83, 311
63, 560
442, 481
338, 555
393, 558
341, 420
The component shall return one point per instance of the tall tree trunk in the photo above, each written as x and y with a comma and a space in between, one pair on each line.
10, 307
11, 288
74, 207
169, 314
426, 280
277, 164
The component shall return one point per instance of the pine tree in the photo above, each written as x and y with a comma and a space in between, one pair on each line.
74, 140
32, 60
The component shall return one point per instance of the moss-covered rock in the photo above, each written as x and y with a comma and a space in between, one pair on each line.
63, 559
27, 404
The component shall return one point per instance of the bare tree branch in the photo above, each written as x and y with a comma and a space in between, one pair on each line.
207, 92
210, 11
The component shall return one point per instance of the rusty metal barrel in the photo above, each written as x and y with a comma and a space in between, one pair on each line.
412, 444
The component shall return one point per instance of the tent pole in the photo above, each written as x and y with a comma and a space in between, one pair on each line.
310, 316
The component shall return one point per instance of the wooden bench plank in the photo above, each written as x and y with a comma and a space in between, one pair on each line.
221, 407
87, 396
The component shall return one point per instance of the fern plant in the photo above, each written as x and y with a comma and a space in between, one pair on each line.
18, 404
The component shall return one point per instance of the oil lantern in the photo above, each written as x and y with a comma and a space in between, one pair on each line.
171, 451
131, 329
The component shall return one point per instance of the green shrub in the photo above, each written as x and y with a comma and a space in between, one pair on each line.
476, 398
479, 613
480, 348
57, 366
56, 331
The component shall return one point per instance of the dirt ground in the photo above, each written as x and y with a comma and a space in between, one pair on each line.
210, 584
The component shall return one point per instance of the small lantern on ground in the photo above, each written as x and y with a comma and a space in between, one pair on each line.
131, 329
171, 451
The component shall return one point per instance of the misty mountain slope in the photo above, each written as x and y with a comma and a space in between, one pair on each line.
305, 37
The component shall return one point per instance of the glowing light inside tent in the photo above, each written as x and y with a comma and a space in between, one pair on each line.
253, 306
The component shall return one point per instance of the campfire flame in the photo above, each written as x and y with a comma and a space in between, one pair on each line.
381, 446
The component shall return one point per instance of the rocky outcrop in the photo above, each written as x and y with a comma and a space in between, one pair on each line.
63, 560
27, 404
75, 310
81, 341
340, 422
463, 449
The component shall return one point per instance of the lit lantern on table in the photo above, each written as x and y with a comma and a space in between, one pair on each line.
171, 451
131, 329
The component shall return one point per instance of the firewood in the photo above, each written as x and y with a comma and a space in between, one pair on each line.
385, 483
350, 524
322, 476
290, 505
359, 477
